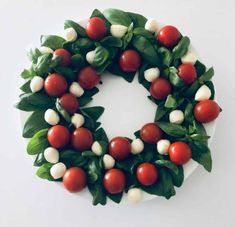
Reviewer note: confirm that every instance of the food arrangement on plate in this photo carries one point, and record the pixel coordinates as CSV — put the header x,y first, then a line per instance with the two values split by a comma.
x,y
65,135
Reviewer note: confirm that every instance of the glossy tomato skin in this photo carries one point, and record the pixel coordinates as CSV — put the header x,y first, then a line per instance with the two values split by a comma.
x,y
66,56
119,148
69,102
55,85
169,36
129,61
88,78
160,88
151,133
74,179
187,72
114,181
96,28
206,111
180,153
82,139
147,174
58,136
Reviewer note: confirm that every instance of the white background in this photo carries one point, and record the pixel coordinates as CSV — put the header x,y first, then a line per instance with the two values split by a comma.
x,y
204,200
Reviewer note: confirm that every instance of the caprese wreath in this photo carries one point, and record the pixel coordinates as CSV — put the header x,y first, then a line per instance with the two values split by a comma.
x,y
69,144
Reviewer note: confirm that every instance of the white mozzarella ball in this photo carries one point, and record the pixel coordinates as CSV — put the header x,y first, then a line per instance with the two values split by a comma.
x,y
45,50
36,84
58,170
77,120
51,155
176,116
70,34
108,161
163,146
118,30
76,89
203,93
96,148
51,117
90,56
151,74
137,146
134,195
151,25
189,57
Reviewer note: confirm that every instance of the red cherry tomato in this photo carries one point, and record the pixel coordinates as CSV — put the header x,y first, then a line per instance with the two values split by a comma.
x,y
129,61
160,88
88,78
55,85
119,148
187,73
74,179
96,28
114,181
168,36
180,153
58,136
82,139
69,102
151,133
66,56
206,111
147,174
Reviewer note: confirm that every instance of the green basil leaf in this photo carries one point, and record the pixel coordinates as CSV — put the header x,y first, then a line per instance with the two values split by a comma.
x,y
207,75
91,92
188,113
192,89
44,172
38,143
101,135
110,41
155,189
78,28
165,56
72,158
81,45
26,87
170,102
62,111
142,32
200,128
137,19
127,37
40,160
94,112
67,73
101,56
97,13
33,54
200,68
174,78
52,41
83,101
212,88
94,171
98,194
88,154
78,61
168,164
141,77
181,48
55,61
200,138
172,129
178,178
115,197
161,112
27,73
168,186
43,64
91,123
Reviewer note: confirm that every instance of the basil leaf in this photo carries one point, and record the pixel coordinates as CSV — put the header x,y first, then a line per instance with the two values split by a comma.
x,y
52,41
188,113
127,37
38,143
181,48
207,75
192,89
81,45
67,73
40,160
168,164
137,19
141,77
43,64
97,13
110,41
26,87
55,61
101,56
178,178
174,78
98,194
142,32
33,54
211,86
88,154
44,172
200,68
168,186
165,56
62,111
115,197
155,189
91,124
100,134
84,100
91,92
94,112
170,102
161,112
172,129
72,158
27,73
94,171
78,28
34,124
200,128
78,61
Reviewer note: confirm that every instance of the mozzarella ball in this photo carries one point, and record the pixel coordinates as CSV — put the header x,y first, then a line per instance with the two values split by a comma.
x,y
36,84
151,25
203,93
151,74
77,120
90,56
45,50
58,170
163,146
70,34
51,117
108,161
96,148
189,57
118,30
76,89
134,195
176,116
51,155
137,146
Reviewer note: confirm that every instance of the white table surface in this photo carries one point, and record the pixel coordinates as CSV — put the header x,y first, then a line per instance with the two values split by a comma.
x,y
204,200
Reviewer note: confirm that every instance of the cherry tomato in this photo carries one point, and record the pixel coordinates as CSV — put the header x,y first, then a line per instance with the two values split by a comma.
x,y
180,153
168,36
96,28
88,78
147,174
129,61
74,179
114,181
206,111
119,148
55,85
82,139
187,73
69,102
160,88
66,56
151,133
58,136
